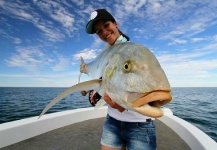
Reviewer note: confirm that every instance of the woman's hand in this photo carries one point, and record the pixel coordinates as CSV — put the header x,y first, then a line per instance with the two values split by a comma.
x,y
112,103
83,67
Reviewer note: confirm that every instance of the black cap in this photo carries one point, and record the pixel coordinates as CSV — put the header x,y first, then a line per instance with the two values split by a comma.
x,y
97,15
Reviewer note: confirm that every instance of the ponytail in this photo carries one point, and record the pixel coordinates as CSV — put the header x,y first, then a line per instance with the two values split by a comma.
x,y
124,35
121,33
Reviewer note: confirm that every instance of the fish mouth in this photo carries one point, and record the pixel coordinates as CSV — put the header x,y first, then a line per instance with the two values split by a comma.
x,y
149,105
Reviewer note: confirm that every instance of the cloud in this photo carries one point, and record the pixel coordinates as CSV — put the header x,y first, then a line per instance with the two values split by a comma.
x,y
163,19
28,58
61,63
34,59
17,40
134,5
55,12
86,54
97,42
63,79
197,39
177,41
123,10
41,75
78,2
194,68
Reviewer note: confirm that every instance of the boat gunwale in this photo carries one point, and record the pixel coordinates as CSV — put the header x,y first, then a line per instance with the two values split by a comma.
x,y
20,130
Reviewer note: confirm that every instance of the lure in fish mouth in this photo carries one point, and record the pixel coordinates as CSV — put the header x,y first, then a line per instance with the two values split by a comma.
x,y
131,76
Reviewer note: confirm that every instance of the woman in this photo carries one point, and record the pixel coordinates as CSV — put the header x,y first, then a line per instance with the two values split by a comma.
x,y
123,129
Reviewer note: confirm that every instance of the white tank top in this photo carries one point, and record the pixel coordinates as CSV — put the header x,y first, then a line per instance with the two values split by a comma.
x,y
127,115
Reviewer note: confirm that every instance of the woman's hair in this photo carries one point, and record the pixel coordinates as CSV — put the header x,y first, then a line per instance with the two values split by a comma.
x,y
121,33
124,35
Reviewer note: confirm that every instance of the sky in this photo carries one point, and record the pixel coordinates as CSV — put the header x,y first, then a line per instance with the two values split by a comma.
x,y
41,41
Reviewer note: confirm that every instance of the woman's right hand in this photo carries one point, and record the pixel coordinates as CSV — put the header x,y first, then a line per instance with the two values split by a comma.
x,y
112,103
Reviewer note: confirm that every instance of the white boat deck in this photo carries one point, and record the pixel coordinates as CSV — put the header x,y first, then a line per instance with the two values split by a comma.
x,y
81,129
86,136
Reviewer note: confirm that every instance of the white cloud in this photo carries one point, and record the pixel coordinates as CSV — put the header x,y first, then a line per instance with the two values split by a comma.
x,y
97,42
133,6
215,38
28,58
61,64
197,39
177,41
78,2
63,79
34,59
162,16
57,12
192,68
17,40
26,12
86,54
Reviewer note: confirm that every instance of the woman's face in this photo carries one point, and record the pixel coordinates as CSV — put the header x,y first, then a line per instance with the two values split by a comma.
x,y
107,31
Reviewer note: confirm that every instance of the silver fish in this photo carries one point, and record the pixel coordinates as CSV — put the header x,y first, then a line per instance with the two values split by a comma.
x,y
131,76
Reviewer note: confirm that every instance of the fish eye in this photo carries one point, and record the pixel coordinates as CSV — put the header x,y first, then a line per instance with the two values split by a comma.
x,y
127,66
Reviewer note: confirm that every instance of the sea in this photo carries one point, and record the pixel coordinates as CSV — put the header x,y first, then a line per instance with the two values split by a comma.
x,y
197,105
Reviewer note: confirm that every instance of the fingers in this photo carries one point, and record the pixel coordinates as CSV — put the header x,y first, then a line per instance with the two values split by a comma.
x,y
82,68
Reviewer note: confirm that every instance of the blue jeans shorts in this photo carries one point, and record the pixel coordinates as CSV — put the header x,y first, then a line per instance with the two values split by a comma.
x,y
132,135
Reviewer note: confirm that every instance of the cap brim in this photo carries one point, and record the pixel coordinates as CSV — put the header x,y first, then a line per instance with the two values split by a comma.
x,y
89,27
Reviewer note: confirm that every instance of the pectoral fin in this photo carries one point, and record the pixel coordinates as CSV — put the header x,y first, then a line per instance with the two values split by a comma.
x,y
88,85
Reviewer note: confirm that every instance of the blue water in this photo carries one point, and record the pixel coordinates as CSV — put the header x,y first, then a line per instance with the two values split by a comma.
x,y
195,105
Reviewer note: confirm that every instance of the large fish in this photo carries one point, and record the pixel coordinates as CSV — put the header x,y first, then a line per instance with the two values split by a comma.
x,y
131,76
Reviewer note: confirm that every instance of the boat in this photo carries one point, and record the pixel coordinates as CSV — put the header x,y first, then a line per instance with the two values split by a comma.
x,y
81,129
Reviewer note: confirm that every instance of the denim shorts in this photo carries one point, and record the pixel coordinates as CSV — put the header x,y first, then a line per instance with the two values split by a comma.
x,y
132,135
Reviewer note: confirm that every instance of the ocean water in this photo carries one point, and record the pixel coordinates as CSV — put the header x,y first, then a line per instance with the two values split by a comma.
x,y
195,105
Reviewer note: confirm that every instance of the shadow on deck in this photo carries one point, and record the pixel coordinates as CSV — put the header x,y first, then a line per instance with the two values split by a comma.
x,y
86,136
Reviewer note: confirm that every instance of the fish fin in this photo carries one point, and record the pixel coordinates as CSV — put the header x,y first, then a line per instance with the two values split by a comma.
x,y
100,103
88,85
